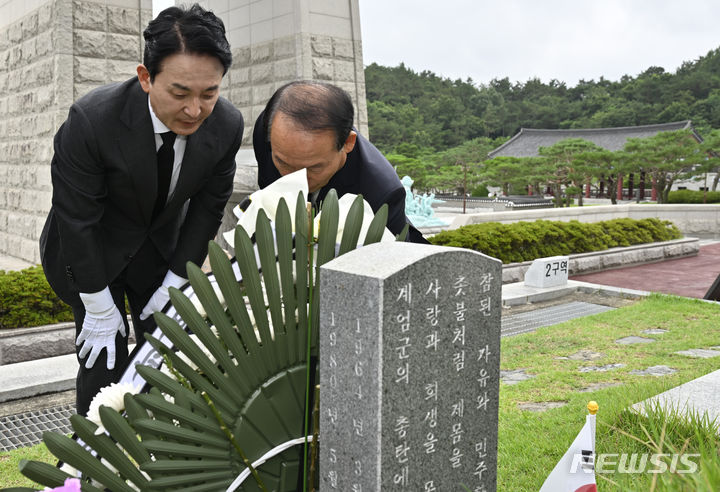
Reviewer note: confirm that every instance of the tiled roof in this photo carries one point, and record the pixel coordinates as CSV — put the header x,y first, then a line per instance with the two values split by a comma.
x,y
528,140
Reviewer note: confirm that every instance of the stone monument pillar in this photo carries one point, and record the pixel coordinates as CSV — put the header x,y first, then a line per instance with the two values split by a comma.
x,y
51,53
409,369
278,41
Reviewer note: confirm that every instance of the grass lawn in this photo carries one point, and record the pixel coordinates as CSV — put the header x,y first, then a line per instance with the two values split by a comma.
x,y
531,443
9,460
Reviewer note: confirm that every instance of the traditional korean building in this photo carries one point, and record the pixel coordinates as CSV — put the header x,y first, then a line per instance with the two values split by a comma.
x,y
528,141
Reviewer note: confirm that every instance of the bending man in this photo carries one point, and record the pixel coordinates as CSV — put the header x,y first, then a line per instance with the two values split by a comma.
x,y
308,124
141,173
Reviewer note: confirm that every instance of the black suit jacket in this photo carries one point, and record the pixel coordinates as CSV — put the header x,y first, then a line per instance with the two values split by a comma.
x,y
104,175
366,172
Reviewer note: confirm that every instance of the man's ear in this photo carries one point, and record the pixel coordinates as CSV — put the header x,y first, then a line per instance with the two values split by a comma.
x,y
350,142
144,77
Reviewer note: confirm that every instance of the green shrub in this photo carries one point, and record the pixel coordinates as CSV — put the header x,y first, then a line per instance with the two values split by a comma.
x,y
26,299
525,241
480,191
693,196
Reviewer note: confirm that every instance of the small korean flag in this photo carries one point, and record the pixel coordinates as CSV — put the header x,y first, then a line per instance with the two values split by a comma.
x,y
575,472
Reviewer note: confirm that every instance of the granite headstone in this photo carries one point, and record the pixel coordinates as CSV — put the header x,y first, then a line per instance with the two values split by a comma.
x,y
409,369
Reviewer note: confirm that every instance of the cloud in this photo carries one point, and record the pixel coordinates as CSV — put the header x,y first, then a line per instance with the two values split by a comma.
x,y
520,39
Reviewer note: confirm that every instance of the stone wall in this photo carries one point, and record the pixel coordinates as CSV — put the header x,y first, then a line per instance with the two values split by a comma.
x,y
107,41
51,53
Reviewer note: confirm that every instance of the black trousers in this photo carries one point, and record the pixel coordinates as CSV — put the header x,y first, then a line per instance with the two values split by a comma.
x,y
90,381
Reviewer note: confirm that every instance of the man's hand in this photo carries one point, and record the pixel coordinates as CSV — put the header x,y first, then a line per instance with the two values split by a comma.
x,y
102,321
99,333
162,295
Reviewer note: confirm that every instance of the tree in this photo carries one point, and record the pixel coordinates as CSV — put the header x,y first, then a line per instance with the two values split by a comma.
x,y
502,171
666,157
459,168
572,165
393,124
442,113
599,165
419,169
711,147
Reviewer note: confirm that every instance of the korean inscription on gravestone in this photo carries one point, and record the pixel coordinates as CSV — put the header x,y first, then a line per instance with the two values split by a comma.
x,y
409,363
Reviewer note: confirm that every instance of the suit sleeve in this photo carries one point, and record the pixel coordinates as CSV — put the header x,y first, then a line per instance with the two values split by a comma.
x,y
206,208
79,193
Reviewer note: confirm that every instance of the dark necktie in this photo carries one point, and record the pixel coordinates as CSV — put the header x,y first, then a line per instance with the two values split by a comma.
x,y
165,158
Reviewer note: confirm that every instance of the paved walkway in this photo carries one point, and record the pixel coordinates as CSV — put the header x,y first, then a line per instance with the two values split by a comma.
x,y
687,277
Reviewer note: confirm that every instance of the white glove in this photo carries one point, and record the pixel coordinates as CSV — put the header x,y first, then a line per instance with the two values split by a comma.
x,y
102,321
162,295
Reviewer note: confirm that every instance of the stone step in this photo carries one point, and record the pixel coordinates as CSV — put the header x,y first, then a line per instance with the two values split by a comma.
x,y
40,342
699,397
532,320
38,377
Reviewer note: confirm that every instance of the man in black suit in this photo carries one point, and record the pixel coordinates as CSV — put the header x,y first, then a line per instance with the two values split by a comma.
x,y
308,124
141,174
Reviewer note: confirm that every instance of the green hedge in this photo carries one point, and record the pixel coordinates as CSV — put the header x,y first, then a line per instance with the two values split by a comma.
x,y
525,241
692,196
26,299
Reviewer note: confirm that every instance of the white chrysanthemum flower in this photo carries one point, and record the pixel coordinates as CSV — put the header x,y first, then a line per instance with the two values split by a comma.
x,y
268,198
110,396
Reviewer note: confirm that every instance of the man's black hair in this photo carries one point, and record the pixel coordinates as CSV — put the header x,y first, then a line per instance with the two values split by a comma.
x,y
313,106
178,30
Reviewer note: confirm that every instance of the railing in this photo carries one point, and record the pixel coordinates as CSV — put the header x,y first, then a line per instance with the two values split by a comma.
x,y
499,202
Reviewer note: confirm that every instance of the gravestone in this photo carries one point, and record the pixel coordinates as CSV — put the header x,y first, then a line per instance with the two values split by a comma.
x,y
548,272
409,369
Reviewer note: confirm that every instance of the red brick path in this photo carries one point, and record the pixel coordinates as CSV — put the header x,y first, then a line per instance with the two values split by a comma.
x,y
688,277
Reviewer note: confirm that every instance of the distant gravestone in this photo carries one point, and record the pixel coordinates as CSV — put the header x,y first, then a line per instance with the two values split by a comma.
x,y
409,369
548,272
